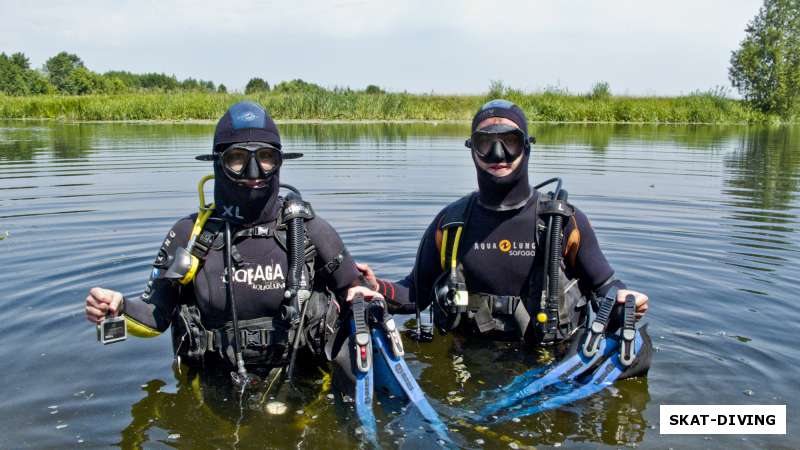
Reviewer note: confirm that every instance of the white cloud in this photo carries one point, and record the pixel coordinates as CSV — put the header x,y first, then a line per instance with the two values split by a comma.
x,y
448,45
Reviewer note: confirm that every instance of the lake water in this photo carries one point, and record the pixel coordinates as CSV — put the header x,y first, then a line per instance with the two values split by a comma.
x,y
702,218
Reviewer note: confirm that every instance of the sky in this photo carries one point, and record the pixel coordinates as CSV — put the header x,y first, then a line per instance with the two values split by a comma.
x,y
641,47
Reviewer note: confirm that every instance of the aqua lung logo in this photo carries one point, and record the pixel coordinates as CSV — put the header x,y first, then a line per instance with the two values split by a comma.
x,y
261,277
505,246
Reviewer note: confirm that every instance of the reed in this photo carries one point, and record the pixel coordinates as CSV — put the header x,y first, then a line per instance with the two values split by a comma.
x,y
358,105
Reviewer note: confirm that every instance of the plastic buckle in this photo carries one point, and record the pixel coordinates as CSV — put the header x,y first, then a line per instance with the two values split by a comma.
x,y
504,304
363,352
394,337
459,297
627,352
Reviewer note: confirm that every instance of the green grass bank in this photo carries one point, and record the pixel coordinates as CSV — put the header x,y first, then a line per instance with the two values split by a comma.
x,y
351,105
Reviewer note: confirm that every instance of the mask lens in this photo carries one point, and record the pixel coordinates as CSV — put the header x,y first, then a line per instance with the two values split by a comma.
x,y
512,142
268,158
482,143
236,159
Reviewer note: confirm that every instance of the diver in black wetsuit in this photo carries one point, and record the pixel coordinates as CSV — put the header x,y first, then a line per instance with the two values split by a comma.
x,y
479,264
194,300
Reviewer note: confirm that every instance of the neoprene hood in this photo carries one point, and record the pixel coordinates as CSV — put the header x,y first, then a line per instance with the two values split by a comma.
x,y
513,190
245,122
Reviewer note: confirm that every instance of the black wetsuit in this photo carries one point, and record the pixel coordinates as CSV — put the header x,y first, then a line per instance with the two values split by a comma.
x,y
258,281
500,254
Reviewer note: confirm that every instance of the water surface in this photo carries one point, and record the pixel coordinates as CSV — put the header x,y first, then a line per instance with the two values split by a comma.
x,y
702,218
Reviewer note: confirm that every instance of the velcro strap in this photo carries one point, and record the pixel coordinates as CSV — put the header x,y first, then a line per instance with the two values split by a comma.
x,y
496,304
258,231
484,319
259,337
334,264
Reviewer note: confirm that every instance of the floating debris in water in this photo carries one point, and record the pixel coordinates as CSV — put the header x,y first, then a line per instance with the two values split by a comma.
x,y
299,412
513,445
61,426
52,407
480,441
748,392
557,444
4,235
174,436
55,411
516,420
276,408
80,441
329,396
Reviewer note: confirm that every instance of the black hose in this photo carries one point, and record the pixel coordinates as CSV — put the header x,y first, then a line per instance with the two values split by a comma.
x,y
554,265
295,241
237,345
296,282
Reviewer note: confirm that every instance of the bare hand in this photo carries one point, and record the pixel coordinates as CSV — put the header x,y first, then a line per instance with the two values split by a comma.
x,y
369,275
101,302
641,301
368,294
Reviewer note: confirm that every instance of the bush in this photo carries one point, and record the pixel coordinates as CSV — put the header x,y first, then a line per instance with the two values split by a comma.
x,y
256,85
373,89
297,86
600,91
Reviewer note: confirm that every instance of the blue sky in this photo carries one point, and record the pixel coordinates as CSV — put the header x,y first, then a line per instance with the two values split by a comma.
x,y
640,47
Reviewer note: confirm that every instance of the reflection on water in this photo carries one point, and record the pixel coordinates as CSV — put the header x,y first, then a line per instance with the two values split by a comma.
x,y
702,218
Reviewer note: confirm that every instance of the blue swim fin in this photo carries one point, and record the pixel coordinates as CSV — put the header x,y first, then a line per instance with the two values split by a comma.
x,y
364,387
405,379
616,351
602,377
566,370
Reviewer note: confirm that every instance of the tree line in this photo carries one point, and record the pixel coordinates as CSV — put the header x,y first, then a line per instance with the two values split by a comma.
x,y
65,73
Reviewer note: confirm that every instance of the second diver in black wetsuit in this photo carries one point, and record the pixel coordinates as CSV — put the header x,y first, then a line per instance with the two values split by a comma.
x,y
486,265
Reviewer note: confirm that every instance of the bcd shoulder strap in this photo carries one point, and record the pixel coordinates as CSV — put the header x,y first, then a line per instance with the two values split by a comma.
x,y
455,218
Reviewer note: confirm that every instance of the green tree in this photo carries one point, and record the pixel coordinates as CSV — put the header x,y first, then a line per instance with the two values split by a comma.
x,y
373,89
59,67
20,60
222,89
766,67
80,82
256,85
12,81
17,78
298,85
